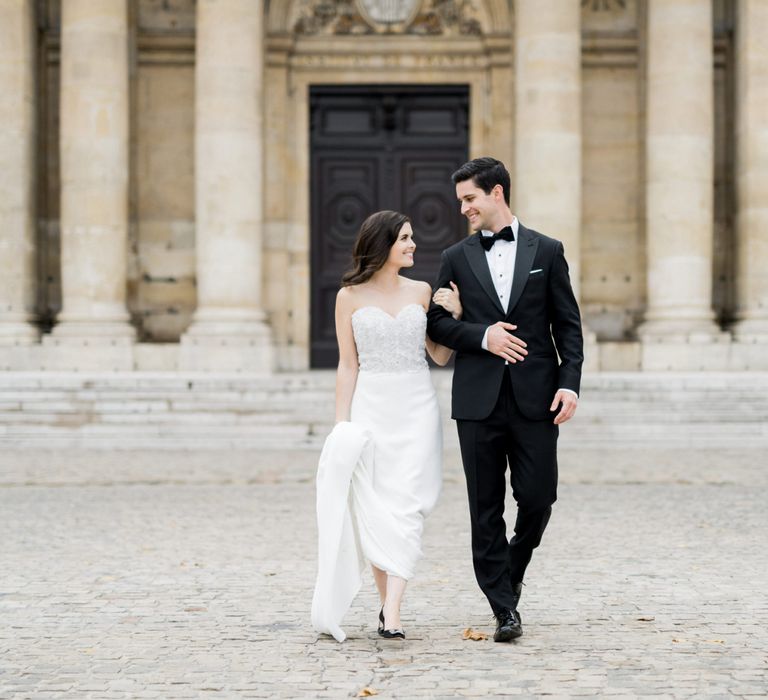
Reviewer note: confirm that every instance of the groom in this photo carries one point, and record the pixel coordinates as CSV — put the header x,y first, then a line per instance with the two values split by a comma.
x,y
510,391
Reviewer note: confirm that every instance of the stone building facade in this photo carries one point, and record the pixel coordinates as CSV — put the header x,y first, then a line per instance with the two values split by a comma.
x,y
157,183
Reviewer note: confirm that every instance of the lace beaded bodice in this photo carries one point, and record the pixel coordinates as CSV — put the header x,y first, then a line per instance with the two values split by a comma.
x,y
388,343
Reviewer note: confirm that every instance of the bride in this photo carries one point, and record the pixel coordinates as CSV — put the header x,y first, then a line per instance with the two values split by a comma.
x,y
383,387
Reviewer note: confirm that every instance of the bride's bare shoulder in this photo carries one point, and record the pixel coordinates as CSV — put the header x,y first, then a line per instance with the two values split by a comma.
x,y
352,296
345,297
421,290
416,285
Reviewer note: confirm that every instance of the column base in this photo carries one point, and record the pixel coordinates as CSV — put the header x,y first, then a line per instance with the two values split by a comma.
x,y
18,333
692,352
591,351
620,356
689,341
227,346
681,330
89,345
752,330
102,331
750,355
87,354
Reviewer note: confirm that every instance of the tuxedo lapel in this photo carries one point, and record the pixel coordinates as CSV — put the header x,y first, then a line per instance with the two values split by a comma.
x,y
527,244
478,262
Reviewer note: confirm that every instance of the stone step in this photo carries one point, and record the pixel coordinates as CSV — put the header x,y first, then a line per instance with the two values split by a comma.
x,y
269,387
163,381
591,409
288,411
233,425
691,395
250,440
256,417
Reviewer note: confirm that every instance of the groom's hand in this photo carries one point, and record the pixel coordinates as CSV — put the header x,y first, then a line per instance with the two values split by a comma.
x,y
501,342
569,401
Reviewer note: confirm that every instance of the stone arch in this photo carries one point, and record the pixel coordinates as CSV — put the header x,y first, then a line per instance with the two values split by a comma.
x,y
495,16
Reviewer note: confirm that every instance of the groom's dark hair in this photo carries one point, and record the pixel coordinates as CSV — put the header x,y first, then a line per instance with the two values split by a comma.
x,y
486,173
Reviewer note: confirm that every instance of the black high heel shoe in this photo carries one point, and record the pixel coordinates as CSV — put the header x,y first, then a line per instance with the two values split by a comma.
x,y
389,634
392,634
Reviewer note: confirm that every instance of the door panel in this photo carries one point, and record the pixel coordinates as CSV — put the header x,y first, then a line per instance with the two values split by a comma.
x,y
373,148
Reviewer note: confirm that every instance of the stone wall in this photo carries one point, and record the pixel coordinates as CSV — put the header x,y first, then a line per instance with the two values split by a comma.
x,y
303,44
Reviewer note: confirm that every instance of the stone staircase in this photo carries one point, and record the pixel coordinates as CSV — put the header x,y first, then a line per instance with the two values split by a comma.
x,y
289,411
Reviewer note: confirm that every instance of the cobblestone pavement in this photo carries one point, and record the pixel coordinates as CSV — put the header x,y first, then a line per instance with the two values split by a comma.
x,y
185,575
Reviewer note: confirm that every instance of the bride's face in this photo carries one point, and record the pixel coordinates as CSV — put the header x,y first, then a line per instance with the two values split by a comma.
x,y
401,252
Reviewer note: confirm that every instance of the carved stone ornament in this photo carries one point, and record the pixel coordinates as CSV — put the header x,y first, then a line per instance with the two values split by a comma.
x,y
389,11
604,5
430,17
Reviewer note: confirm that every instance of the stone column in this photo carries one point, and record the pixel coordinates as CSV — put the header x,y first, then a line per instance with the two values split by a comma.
x,y
752,171
94,180
228,331
17,175
547,178
679,171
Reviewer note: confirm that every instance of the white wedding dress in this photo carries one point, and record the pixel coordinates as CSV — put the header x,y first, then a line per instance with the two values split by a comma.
x,y
379,475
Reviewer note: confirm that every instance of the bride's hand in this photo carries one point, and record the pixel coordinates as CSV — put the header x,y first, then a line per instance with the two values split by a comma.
x,y
449,299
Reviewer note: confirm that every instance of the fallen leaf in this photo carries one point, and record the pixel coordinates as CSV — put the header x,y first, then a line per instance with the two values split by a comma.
x,y
716,641
367,692
474,635
646,619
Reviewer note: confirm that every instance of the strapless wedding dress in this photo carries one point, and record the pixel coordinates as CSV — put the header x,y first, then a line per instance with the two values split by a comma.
x,y
379,475
395,400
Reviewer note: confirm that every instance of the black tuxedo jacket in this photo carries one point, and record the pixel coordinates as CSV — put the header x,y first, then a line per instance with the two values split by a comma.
x,y
541,305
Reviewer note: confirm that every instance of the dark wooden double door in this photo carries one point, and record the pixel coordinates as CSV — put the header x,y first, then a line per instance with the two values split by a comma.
x,y
372,148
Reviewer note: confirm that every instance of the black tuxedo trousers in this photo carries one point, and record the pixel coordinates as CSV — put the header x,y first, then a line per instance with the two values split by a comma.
x,y
507,437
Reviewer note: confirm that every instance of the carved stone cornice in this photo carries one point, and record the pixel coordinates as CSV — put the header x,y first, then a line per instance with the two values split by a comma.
x,y
343,17
389,61
610,50
165,49
603,5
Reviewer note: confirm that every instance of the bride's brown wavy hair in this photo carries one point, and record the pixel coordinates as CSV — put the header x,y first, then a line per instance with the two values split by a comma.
x,y
375,238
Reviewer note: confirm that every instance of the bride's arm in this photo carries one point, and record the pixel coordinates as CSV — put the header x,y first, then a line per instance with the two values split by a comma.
x,y
448,299
346,374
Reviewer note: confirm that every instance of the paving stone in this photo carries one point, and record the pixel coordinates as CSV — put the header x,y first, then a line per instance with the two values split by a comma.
x,y
181,574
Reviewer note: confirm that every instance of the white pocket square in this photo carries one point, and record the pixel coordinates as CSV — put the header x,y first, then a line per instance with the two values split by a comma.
x,y
533,272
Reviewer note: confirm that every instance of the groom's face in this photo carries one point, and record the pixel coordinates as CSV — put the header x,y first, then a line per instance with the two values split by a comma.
x,y
480,208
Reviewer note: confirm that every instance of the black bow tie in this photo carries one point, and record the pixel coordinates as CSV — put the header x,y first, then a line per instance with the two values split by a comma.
x,y
504,235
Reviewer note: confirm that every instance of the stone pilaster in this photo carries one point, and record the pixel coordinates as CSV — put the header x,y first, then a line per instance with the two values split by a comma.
x,y
547,191
547,179
228,331
94,185
17,174
752,171
679,172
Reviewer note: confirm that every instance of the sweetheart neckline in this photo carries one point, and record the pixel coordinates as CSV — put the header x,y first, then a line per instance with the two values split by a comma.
x,y
386,313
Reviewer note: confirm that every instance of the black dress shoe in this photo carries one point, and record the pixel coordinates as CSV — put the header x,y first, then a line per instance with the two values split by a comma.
x,y
509,626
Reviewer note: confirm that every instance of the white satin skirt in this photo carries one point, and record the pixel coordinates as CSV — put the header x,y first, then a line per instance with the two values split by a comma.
x,y
401,412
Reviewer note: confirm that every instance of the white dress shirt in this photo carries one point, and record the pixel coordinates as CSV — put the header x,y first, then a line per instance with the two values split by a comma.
x,y
501,263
